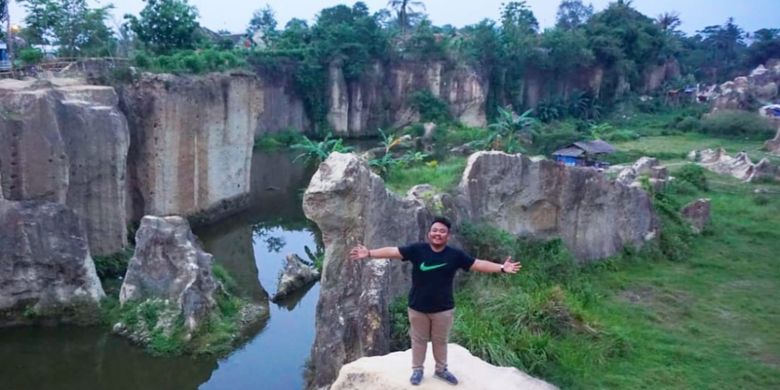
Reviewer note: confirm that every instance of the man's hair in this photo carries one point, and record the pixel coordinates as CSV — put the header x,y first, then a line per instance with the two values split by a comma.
x,y
444,221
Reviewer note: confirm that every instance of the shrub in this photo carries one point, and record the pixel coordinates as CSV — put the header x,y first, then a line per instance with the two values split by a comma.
x,y
30,56
142,60
693,174
688,123
431,108
734,123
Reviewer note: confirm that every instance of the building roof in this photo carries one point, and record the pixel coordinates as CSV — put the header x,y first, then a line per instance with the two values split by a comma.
x,y
595,147
569,152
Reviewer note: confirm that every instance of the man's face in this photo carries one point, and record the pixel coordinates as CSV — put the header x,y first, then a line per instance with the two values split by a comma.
x,y
438,234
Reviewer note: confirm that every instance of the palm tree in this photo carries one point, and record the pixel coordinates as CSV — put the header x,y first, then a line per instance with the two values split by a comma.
x,y
668,21
404,9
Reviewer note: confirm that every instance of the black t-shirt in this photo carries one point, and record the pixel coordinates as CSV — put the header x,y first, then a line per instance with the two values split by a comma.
x,y
432,275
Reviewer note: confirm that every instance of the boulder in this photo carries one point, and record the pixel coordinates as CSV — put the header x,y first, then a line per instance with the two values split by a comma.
x,y
295,276
351,206
46,271
67,142
740,166
594,217
169,265
743,92
648,167
391,372
192,140
697,213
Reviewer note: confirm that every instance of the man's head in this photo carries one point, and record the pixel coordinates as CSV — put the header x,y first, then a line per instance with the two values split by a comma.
x,y
439,232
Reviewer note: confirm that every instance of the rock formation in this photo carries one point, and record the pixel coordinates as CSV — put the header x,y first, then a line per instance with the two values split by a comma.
x,y
648,167
169,264
697,213
384,95
66,142
295,276
391,372
594,217
351,206
192,142
760,86
46,271
740,166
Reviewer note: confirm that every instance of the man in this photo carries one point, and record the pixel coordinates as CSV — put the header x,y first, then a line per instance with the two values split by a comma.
x,y
431,302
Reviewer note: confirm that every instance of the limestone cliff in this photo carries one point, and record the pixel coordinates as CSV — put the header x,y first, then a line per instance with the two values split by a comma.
x,y
383,97
46,272
191,145
67,142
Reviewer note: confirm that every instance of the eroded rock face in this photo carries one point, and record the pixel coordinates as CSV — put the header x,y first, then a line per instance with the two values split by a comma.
x,y
391,372
46,271
168,264
741,93
384,95
697,213
594,217
740,166
192,143
295,276
773,145
67,143
648,167
351,206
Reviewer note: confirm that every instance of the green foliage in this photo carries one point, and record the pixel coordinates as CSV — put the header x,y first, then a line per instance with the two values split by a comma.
x,y
431,108
78,31
443,175
30,56
765,46
264,22
693,174
733,123
273,141
190,61
113,266
510,133
319,151
164,26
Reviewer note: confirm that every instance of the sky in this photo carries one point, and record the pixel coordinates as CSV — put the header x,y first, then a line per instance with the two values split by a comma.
x,y
234,15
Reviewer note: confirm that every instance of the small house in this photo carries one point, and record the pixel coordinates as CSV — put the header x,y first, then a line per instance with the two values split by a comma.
x,y
5,63
583,153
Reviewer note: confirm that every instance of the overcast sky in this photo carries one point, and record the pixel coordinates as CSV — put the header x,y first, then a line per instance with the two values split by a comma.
x,y
234,15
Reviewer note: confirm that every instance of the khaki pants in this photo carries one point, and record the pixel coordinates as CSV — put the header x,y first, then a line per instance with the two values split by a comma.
x,y
433,327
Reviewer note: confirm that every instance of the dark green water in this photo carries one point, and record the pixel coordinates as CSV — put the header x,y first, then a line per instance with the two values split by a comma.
x,y
252,246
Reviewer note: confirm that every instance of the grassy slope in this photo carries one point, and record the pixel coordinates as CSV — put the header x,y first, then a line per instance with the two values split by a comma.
x,y
639,320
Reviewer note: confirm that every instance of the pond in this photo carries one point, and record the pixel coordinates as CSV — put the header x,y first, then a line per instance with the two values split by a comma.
x,y
251,246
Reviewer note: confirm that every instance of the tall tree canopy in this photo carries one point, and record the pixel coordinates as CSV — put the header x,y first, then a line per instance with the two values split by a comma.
x,y
70,24
572,14
406,11
166,25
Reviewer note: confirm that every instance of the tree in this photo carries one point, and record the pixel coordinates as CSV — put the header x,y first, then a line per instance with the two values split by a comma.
x,y
572,13
765,46
668,21
264,22
166,25
70,24
518,37
405,10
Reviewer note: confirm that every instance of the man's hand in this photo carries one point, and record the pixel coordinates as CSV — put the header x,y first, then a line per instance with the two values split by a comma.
x,y
510,267
358,252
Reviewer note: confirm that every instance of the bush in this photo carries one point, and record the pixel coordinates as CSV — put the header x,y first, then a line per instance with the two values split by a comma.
x,y
734,123
688,123
30,56
693,174
431,108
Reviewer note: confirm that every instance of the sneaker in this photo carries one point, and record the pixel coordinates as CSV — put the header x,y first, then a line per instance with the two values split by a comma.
x,y
416,377
446,376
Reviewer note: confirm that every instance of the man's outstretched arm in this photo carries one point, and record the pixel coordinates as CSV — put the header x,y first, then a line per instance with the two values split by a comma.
x,y
388,252
491,267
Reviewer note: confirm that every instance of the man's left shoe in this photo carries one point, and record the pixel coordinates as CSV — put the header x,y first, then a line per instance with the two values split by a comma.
x,y
446,376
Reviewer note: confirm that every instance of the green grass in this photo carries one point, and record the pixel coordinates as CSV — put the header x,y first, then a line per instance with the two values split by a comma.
x,y
444,175
687,312
680,145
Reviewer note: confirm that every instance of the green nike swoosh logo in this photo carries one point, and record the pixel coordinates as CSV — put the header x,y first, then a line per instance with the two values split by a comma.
x,y
424,267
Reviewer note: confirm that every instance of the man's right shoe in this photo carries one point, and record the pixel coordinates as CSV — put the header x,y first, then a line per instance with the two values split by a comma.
x,y
416,378
446,376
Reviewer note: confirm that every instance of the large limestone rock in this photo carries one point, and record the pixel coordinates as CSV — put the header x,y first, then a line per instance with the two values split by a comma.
x,y
383,96
697,213
391,372
740,166
169,264
192,142
593,216
67,142
351,206
648,167
294,276
46,271
761,86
